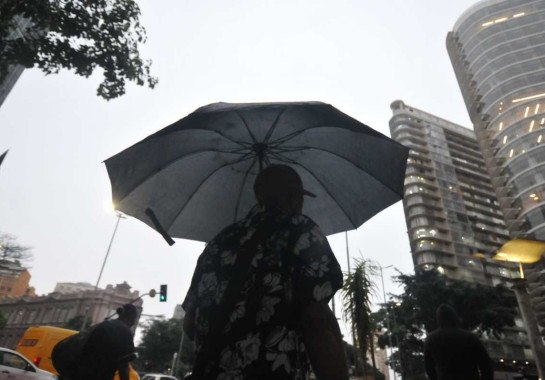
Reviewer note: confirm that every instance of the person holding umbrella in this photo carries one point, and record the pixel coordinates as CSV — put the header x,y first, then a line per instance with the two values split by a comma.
x,y
254,285
262,282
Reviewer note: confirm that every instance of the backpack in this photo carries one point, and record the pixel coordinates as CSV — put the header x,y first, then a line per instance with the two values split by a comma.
x,y
67,353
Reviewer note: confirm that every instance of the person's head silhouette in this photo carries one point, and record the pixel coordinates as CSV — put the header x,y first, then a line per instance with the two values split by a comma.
x,y
446,316
280,187
128,314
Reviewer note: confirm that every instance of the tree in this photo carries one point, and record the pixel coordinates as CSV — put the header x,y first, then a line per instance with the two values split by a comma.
x,y
482,309
358,289
79,35
160,340
11,250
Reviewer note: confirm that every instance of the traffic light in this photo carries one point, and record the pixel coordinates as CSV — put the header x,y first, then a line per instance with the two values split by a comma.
x,y
163,293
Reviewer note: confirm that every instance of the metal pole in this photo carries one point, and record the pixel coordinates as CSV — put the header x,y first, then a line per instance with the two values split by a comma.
x,y
398,347
347,251
387,318
173,364
119,216
86,317
520,288
179,354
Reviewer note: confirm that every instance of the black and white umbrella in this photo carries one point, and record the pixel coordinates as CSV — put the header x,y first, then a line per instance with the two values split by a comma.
x,y
195,177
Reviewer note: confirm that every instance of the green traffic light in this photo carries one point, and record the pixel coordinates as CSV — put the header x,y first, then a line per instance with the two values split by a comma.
x,y
163,293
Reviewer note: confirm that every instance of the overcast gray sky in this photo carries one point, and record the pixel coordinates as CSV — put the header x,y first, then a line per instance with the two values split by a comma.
x,y
358,55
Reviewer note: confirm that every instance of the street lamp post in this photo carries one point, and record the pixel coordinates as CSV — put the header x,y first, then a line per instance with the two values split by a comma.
x,y
119,217
523,299
388,356
528,252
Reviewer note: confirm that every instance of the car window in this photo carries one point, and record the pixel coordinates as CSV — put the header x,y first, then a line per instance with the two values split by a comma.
x,y
14,361
166,378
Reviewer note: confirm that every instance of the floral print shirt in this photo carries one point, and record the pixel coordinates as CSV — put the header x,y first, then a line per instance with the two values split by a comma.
x,y
294,266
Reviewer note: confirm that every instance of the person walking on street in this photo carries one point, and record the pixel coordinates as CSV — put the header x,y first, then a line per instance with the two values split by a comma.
x,y
291,268
451,353
110,347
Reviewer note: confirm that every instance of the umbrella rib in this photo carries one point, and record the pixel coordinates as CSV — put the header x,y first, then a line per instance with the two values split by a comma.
x,y
287,137
180,158
290,148
284,159
241,143
242,186
200,184
344,159
294,134
273,126
247,127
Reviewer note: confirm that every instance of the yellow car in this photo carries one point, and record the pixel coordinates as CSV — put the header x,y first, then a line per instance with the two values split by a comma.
x,y
37,344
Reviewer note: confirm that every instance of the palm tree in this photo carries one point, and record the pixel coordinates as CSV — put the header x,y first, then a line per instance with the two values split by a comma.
x,y
358,290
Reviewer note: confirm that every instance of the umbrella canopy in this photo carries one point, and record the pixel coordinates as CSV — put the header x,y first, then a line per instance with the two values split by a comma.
x,y
195,177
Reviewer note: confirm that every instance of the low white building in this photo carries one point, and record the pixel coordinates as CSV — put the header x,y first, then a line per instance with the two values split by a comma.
x,y
72,287
57,309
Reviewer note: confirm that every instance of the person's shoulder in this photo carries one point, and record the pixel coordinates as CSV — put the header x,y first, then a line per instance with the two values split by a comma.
x,y
441,333
471,336
227,233
115,325
433,335
452,333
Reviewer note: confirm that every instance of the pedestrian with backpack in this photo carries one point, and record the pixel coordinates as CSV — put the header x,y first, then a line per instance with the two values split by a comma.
x,y
100,351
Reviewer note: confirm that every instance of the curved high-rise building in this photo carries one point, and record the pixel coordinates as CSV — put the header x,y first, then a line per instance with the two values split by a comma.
x,y
497,49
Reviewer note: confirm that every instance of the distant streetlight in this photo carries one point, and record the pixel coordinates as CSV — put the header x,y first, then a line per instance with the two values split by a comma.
x,y
524,251
119,217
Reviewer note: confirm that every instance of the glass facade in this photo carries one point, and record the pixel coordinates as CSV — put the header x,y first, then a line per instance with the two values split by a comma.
x,y
497,49
498,52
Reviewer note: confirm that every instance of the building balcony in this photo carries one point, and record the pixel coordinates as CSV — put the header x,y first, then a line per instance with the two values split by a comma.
x,y
511,213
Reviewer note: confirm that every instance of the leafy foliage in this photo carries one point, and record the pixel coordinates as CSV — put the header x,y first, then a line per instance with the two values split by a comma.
x,y
357,293
79,35
160,340
11,250
482,309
